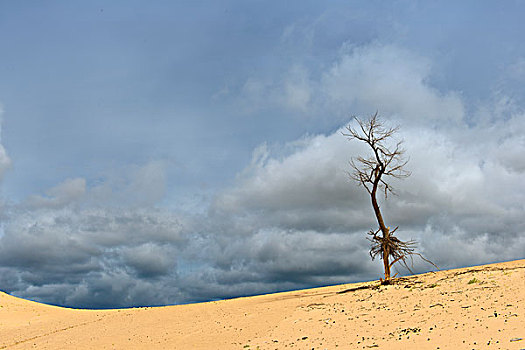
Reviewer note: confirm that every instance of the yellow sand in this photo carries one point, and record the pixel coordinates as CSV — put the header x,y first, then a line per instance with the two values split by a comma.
x,y
471,308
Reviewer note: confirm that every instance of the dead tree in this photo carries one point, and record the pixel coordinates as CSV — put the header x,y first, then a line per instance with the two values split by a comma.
x,y
373,172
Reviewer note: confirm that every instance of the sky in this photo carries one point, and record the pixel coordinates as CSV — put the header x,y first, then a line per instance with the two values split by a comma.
x,y
168,152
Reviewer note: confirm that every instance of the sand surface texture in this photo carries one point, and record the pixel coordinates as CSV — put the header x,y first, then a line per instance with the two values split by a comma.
x,y
480,307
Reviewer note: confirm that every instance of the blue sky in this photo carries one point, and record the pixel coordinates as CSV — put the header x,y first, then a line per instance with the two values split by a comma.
x,y
168,152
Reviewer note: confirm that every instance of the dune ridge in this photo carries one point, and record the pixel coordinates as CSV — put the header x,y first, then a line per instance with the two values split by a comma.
x,y
480,307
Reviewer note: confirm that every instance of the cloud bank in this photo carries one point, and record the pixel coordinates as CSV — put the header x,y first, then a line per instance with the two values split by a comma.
x,y
292,218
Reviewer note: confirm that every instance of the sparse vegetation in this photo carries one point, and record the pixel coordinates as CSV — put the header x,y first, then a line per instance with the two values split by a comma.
x,y
410,330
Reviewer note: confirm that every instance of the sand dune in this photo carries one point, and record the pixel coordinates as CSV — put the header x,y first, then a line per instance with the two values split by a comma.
x,y
480,307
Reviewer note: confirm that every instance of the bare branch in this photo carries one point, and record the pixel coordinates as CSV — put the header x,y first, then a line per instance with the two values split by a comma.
x,y
384,162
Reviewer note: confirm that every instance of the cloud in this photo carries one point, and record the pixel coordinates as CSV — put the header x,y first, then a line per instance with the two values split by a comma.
x,y
363,79
292,218
94,246
391,80
308,188
71,247
60,195
516,70
465,189
5,161
457,196
297,89
150,259
135,185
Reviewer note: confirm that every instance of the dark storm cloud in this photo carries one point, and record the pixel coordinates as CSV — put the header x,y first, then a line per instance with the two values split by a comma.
x,y
69,248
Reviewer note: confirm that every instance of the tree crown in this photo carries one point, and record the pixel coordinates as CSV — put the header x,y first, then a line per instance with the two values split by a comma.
x,y
385,161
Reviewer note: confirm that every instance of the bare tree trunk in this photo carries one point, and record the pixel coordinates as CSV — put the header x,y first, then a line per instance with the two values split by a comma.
x,y
384,230
386,254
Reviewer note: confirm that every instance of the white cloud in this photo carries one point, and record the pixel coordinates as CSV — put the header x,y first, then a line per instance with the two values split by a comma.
x,y
60,195
5,161
391,80
297,89
132,186
517,69
362,80
451,199
307,188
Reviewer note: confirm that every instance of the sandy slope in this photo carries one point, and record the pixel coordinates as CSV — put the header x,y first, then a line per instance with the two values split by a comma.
x,y
481,307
